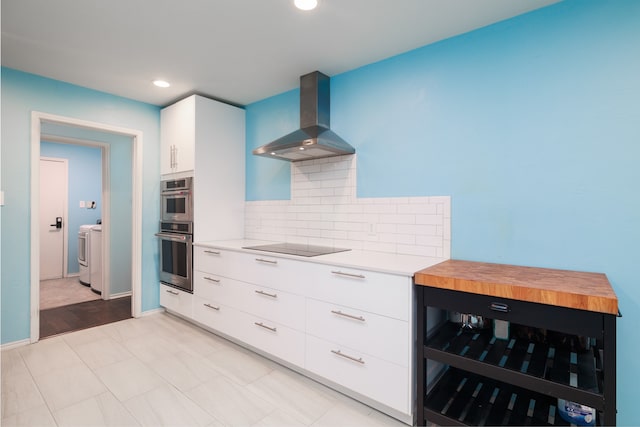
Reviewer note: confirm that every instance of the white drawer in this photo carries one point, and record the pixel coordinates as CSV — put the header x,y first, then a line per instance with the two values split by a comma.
x,y
177,301
212,260
379,380
217,288
278,273
383,337
380,293
217,316
276,305
266,335
274,338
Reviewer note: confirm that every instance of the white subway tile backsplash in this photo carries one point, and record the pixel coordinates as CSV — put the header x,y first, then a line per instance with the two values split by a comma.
x,y
324,210
380,247
398,219
335,234
321,192
389,228
429,219
335,200
433,241
310,216
418,208
349,209
386,208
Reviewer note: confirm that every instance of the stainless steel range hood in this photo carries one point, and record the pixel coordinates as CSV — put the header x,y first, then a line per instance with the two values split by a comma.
x,y
314,139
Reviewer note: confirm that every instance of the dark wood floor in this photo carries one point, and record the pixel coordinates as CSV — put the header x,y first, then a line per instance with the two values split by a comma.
x,y
83,315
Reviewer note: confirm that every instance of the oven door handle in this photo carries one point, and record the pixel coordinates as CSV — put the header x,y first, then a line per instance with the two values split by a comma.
x,y
173,237
173,193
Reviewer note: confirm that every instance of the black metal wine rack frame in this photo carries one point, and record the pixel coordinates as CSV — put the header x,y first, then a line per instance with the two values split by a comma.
x,y
515,381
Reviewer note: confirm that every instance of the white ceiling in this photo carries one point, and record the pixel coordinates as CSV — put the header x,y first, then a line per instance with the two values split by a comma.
x,y
240,51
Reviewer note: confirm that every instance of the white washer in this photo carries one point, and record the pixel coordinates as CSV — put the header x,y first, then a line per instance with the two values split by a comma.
x,y
96,259
84,254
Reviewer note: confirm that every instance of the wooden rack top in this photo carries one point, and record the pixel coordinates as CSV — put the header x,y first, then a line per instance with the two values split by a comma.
x,y
572,289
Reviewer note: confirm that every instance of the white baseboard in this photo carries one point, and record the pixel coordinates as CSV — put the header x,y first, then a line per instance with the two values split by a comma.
x,y
151,312
120,295
14,344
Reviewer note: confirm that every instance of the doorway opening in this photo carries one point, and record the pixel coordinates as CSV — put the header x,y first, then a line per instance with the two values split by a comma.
x,y
120,246
71,192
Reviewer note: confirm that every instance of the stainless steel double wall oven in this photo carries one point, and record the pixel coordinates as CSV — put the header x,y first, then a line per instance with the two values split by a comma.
x,y
176,233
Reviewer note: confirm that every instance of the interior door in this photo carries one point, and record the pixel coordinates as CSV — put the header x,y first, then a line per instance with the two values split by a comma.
x,y
53,199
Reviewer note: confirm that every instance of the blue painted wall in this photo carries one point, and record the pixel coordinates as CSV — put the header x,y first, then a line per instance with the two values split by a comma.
x,y
532,125
85,183
21,94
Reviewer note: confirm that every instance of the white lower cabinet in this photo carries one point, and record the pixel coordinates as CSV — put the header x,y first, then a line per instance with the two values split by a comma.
x,y
266,335
176,301
350,327
379,336
377,379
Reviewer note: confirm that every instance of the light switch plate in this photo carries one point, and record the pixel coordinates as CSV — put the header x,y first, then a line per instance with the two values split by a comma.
x,y
82,203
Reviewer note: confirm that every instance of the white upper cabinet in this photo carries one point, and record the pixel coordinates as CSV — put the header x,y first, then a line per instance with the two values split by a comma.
x,y
206,139
178,136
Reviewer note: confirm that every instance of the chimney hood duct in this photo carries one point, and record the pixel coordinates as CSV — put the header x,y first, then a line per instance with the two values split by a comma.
x,y
314,139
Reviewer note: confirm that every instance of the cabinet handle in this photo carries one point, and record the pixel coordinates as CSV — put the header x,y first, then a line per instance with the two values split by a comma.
x,y
499,306
346,356
211,279
211,252
175,156
172,159
262,325
173,292
266,294
350,316
340,273
268,261
212,306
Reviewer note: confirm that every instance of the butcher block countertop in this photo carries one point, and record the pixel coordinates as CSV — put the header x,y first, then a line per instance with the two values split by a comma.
x,y
572,289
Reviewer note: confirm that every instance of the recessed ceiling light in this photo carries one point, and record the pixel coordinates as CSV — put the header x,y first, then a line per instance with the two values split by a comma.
x,y
161,83
306,4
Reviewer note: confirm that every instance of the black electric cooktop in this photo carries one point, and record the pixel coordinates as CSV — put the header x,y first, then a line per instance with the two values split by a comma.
x,y
299,249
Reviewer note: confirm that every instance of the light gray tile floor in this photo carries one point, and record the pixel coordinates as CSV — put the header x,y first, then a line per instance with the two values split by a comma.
x,y
162,371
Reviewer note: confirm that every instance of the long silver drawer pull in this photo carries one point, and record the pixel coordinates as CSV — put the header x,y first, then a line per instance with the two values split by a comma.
x,y
350,316
266,260
173,292
211,279
212,306
266,294
359,276
346,356
212,252
262,325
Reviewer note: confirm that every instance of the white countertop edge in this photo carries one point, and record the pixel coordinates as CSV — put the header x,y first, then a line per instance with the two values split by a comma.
x,y
383,262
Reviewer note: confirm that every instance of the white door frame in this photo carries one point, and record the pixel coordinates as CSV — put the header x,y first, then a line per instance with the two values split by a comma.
x,y
65,216
37,118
